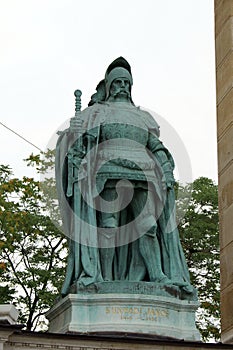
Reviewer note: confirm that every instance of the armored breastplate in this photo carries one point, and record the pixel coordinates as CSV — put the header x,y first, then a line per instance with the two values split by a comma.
x,y
123,139
123,131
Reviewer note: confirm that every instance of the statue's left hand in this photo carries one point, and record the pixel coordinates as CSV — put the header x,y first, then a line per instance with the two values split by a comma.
x,y
170,185
170,181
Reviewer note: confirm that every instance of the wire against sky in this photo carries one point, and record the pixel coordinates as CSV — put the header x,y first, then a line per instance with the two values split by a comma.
x,y
23,138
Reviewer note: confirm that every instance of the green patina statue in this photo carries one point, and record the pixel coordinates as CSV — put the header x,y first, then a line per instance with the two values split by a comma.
x,y
115,185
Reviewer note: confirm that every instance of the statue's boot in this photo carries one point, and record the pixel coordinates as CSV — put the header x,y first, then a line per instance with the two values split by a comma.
x,y
150,250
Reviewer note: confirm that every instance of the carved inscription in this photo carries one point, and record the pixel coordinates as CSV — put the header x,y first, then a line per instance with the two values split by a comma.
x,y
137,313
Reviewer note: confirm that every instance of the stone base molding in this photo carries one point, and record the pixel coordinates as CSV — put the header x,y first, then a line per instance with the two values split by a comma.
x,y
125,314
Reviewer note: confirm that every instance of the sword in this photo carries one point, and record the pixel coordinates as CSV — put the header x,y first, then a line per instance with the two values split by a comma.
x,y
76,152
74,160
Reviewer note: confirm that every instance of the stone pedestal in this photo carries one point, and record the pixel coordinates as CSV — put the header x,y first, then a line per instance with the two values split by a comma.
x,y
159,315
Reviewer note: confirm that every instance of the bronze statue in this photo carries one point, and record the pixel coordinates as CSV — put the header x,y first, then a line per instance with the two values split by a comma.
x,y
115,185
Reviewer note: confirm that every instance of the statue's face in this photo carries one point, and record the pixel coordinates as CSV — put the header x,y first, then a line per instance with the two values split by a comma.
x,y
120,89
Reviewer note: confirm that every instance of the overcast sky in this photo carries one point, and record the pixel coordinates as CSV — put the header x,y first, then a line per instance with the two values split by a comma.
x,y
49,48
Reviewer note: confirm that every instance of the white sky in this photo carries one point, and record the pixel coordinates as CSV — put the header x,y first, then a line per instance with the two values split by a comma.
x,y
49,48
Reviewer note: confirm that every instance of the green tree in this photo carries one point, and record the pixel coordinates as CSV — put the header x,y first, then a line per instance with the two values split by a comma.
x,y
199,233
32,248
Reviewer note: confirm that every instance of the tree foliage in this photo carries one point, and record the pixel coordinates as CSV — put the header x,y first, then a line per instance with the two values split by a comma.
x,y
200,239
32,248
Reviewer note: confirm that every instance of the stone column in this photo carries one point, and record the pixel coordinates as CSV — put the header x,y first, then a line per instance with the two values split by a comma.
x,y
224,82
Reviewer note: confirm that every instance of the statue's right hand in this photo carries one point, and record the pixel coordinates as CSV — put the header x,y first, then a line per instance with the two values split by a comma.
x,y
75,124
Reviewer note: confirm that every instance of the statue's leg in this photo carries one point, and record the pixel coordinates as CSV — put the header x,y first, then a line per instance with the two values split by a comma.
x,y
108,225
150,250
149,246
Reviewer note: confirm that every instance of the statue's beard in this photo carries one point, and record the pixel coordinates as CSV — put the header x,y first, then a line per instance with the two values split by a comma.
x,y
119,92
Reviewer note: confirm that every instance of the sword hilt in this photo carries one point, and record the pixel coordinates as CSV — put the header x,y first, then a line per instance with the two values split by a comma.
x,y
76,121
78,105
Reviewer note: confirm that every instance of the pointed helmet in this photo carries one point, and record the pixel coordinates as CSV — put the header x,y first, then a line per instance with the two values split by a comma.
x,y
119,68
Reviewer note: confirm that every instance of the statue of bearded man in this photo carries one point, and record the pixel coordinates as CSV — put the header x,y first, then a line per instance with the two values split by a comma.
x,y
115,184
